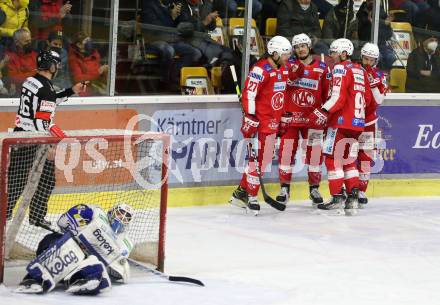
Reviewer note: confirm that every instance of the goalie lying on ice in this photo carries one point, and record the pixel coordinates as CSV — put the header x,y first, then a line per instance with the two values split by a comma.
x,y
91,249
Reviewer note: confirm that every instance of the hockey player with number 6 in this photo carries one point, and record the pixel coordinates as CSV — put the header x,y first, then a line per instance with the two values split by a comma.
x,y
368,139
344,113
91,249
263,105
303,95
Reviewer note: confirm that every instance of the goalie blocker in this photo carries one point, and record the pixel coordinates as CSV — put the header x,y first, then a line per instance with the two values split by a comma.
x,y
84,257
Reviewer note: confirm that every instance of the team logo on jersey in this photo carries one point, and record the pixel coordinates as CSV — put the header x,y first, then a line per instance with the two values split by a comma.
x,y
319,70
277,101
47,106
306,83
358,122
279,86
359,88
256,76
306,72
303,98
340,120
340,71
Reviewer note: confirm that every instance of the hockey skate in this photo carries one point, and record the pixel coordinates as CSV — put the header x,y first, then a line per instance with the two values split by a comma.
x,y
239,198
315,196
253,205
29,286
362,200
284,195
40,222
334,206
351,204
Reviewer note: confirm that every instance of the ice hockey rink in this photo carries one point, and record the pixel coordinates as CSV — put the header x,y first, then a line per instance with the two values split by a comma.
x,y
388,254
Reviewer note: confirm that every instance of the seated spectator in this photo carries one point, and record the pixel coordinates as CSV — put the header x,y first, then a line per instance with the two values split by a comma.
x,y
300,16
200,13
3,90
412,8
335,27
157,12
364,16
323,7
55,43
85,65
22,59
47,16
16,17
269,10
429,19
423,68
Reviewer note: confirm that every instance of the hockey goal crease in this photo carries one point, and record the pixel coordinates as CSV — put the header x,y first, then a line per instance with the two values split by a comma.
x,y
41,177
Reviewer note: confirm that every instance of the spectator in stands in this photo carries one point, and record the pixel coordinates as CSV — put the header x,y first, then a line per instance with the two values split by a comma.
x,y
300,16
55,43
423,68
412,7
335,25
22,59
85,65
16,16
364,16
200,13
160,13
323,7
3,90
269,10
47,16
429,19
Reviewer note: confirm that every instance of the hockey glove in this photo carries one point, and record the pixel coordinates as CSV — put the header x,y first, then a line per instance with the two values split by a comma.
x,y
296,71
318,118
249,126
55,131
286,119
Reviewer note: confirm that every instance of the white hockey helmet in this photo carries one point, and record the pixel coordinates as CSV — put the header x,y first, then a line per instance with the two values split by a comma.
x,y
120,216
340,45
370,50
301,38
279,44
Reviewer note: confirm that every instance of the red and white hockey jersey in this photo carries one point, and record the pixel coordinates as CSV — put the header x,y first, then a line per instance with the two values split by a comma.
x,y
308,92
350,96
264,94
377,80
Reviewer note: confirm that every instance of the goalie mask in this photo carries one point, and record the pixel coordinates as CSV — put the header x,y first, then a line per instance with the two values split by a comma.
x,y
120,217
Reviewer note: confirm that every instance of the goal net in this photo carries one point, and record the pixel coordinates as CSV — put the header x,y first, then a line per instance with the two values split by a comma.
x,y
41,177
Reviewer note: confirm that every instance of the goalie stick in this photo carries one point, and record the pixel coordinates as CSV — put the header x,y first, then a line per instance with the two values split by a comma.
x,y
253,156
144,267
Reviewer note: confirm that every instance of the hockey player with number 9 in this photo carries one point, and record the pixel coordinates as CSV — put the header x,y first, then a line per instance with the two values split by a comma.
x,y
263,105
345,109
91,250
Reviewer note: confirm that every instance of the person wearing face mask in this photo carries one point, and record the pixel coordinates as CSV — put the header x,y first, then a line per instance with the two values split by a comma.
x,y
423,67
22,58
55,43
16,17
85,64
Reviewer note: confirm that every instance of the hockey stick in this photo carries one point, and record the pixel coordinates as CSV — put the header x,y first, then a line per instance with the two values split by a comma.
x,y
252,154
141,266
171,278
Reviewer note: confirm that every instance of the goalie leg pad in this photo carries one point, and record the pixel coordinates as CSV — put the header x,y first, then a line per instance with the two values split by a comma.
x,y
54,263
90,278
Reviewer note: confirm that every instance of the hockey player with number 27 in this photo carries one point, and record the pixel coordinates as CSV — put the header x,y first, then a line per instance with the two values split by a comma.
x,y
91,250
303,96
345,110
368,139
263,105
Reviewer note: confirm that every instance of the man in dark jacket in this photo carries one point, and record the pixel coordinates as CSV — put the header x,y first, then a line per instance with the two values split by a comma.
x,y
335,27
300,16
423,68
161,13
364,16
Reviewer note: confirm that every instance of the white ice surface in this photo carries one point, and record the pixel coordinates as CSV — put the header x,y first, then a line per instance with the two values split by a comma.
x,y
388,254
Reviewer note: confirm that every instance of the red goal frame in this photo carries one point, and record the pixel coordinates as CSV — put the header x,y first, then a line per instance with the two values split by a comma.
x,y
5,154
